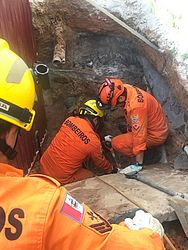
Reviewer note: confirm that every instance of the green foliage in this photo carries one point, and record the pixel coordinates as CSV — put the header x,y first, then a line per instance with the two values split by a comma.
x,y
185,56
174,51
151,5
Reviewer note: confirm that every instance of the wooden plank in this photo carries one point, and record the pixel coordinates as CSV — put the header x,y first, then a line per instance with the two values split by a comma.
x,y
124,25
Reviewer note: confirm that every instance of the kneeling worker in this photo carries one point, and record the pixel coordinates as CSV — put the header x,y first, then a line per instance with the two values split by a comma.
x,y
76,141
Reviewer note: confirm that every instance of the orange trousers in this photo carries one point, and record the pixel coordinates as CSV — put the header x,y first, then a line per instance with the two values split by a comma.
x,y
124,143
79,175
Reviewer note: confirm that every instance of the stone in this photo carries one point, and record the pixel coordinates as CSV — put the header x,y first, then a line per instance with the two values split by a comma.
x,y
180,206
181,161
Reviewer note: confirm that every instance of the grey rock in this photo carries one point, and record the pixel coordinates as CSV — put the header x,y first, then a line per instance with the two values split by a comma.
x,y
181,162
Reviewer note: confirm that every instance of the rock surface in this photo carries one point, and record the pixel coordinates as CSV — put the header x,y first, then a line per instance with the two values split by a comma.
x,y
101,196
80,16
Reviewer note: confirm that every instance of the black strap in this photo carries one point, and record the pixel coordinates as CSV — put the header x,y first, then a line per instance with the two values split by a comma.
x,y
86,110
22,114
110,84
7,150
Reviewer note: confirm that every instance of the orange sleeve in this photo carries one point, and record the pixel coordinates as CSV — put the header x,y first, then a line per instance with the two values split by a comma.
x,y
138,118
98,157
123,238
71,225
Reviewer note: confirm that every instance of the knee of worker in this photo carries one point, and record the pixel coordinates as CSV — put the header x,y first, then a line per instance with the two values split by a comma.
x,y
154,142
79,175
82,174
123,144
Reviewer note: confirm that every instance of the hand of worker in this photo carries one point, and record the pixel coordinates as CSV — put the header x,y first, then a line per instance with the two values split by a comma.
x,y
107,141
131,169
108,138
143,220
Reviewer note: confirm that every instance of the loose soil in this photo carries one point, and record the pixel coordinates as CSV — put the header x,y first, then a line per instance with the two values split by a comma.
x,y
176,234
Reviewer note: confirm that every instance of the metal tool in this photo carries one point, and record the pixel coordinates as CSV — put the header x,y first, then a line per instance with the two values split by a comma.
x,y
118,165
156,186
130,170
110,148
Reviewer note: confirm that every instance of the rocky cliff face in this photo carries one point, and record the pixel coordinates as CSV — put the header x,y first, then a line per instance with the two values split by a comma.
x,y
97,46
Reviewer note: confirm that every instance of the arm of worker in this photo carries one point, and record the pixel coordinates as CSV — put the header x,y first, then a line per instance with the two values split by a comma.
x,y
99,159
139,130
142,220
71,225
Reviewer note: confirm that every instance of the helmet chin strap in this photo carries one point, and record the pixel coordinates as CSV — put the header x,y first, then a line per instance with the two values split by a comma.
x,y
8,151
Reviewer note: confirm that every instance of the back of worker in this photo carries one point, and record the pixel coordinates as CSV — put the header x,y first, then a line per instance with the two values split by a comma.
x,y
146,119
45,216
144,110
157,121
74,143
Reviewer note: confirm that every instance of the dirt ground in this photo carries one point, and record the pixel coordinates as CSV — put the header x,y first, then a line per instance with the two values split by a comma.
x,y
176,235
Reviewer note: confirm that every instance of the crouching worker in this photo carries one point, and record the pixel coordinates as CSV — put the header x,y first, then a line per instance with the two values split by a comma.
x,y
76,141
147,122
36,212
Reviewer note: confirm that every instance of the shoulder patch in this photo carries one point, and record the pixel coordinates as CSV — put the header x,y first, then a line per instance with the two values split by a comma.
x,y
72,208
134,118
97,222
136,126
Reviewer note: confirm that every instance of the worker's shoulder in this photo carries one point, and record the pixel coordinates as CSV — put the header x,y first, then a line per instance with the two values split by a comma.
x,y
44,179
36,186
76,122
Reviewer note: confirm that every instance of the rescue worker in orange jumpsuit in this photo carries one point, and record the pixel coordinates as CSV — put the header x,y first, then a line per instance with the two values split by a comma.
x,y
147,123
76,141
36,212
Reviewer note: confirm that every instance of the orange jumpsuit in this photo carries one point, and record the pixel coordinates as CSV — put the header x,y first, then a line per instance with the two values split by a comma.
x,y
147,123
75,142
37,213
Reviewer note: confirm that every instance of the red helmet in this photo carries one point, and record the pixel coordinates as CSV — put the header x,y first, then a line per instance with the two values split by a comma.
x,y
109,92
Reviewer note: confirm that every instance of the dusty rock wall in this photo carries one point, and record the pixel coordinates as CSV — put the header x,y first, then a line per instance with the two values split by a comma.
x,y
81,16
164,74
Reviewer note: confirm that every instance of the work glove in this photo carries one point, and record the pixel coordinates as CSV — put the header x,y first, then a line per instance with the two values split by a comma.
x,y
143,220
131,169
108,138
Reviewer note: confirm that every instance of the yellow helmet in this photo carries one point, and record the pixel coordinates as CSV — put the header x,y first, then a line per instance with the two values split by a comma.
x,y
17,89
90,108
